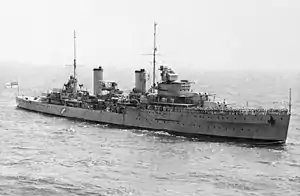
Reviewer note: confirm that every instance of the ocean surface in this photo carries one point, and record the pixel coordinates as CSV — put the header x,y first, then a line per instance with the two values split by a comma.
x,y
45,155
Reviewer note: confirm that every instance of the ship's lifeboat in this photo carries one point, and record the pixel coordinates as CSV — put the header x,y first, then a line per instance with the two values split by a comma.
x,y
134,101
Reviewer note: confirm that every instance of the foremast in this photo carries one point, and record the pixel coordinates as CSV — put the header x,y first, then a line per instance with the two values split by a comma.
x,y
154,55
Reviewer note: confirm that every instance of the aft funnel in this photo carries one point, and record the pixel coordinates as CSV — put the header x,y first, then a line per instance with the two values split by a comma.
x,y
98,77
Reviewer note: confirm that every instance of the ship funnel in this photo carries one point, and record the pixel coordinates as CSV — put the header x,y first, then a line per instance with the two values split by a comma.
x,y
98,77
140,81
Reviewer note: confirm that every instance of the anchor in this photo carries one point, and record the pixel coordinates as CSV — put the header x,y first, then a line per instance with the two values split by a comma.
x,y
271,120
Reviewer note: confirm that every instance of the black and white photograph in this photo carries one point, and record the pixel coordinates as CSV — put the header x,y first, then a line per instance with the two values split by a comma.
x,y
150,98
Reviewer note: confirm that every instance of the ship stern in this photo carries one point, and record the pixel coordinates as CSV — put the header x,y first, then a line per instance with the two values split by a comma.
x,y
18,100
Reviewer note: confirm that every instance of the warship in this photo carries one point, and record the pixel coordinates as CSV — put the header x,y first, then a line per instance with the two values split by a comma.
x,y
168,105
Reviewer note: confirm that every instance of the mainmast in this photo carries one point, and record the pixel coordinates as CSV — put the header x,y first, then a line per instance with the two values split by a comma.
x,y
75,78
154,54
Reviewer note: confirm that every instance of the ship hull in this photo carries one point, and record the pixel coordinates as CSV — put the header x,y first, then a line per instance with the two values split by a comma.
x,y
250,127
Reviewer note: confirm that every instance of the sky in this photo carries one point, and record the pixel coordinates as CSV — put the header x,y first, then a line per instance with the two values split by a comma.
x,y
115,34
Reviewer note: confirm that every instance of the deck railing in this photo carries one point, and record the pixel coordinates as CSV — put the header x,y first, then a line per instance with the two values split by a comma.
x,y
228,111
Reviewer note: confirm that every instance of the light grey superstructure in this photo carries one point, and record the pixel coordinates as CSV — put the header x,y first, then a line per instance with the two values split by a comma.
x,y
168,105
